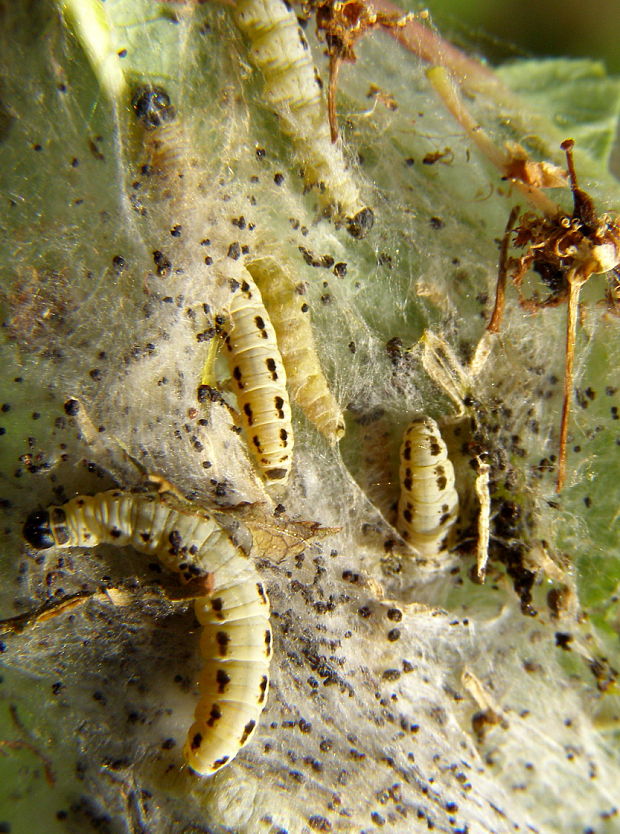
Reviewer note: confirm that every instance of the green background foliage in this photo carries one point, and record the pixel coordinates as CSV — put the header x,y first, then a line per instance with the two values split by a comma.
x,y
526,28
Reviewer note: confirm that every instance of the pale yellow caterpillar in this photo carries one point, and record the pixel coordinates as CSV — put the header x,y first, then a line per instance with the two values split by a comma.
x,y
428,504
259,379
292,90
236,638
290,316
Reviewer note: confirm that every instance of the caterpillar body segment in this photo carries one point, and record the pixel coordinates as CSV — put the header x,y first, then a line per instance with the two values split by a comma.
x,y
259,380
236,639
280,50
242,681
231,602
428,504
292,90
240,639
290,316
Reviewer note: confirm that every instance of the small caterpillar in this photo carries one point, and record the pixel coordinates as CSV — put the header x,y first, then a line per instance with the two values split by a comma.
x,y
236,638
428,504
291,321
260,380
163,139
292,90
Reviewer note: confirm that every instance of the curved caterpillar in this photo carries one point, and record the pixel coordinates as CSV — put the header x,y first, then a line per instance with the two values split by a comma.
x,y
236,639
428,504
260,380
291,321
292,90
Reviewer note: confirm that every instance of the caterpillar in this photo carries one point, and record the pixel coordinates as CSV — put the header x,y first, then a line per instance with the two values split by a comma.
x,y
428,503
292,90
163,138
259,378
236,638
291,321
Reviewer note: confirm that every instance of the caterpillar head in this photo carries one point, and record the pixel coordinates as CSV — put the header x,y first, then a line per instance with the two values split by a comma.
x,y
38,530
152,106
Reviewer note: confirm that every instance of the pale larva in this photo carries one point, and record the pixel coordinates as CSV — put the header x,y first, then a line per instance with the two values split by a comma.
x,y
290,317
236,639
428,504
259,379
292,89
163,137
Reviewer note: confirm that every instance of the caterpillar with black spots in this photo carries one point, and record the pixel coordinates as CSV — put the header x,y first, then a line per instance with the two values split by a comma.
x,y
236,640
259,378
428,505
292,90
290,316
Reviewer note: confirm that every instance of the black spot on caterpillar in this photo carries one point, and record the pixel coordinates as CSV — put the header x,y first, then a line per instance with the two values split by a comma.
x,y
236,636
428,504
